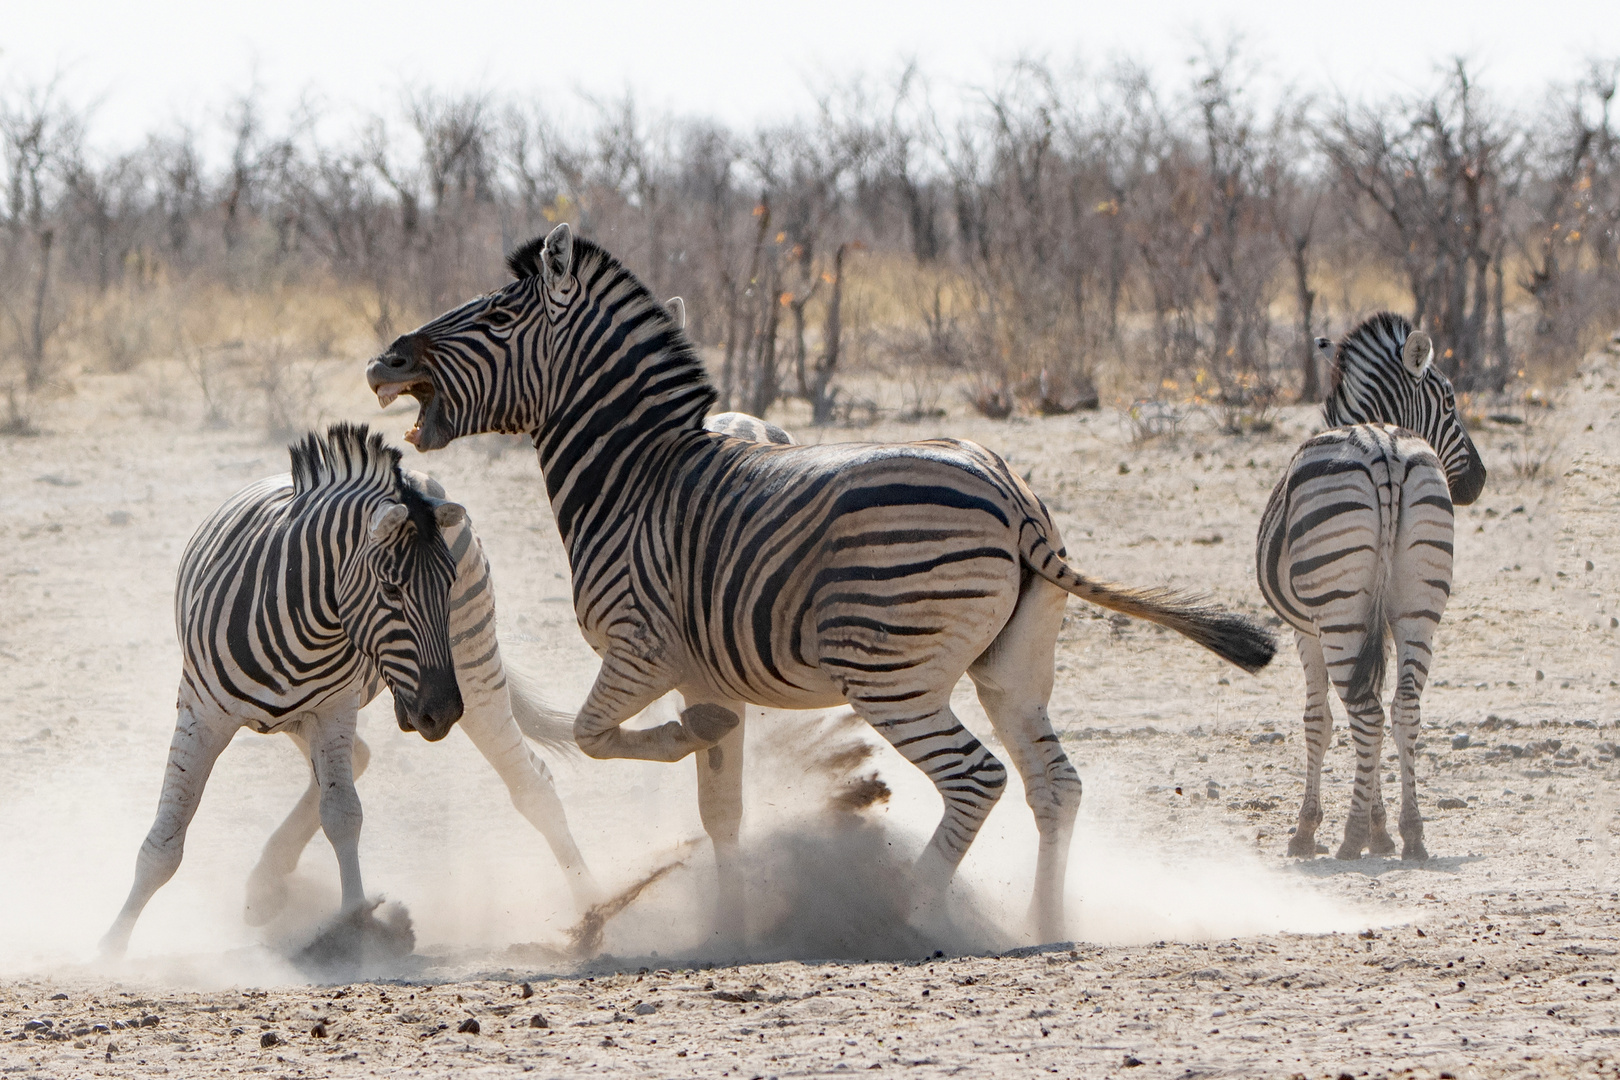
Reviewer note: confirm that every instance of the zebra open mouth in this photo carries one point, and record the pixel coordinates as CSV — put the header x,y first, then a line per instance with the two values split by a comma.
x,y
422,391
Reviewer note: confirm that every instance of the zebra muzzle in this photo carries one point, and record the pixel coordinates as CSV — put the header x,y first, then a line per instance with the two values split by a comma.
x,y
709,723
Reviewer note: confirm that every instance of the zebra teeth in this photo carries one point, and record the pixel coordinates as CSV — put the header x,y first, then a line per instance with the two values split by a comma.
x,y
388,393
415,433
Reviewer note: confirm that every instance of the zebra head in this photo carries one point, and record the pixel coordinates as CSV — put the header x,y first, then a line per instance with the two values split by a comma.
x,y
571,317
398,609
1384,373
464,368
394,601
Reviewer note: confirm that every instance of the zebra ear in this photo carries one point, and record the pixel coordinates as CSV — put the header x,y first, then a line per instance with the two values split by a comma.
x,y
388,518
557,259
1417,353
424,483
677,308
449,513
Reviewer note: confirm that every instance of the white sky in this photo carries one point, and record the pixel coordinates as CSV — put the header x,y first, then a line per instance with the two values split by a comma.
x,y
149,64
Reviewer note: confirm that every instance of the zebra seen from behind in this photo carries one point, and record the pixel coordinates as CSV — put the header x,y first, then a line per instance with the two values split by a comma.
x,y
787,576
1356,542
296,602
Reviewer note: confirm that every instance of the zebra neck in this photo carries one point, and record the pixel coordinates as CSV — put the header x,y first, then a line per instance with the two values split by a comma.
x,y
608,462
319,591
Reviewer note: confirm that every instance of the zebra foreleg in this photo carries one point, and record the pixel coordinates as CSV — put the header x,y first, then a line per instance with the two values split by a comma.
x,y
267,884
719,775
1014,681
1318,736
198,741
967,776
496,735
622,689
331,754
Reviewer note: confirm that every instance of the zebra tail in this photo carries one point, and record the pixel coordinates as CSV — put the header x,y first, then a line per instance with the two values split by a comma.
x,y
1232,637
1367,676
552,728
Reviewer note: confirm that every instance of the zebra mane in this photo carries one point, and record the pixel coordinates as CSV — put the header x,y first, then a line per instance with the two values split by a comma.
x,y
593,263
1369,355
524,261
348,454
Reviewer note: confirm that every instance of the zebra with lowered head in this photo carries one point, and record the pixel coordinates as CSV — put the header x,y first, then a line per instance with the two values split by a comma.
x,y
499,716
1356,543
788,576
296,602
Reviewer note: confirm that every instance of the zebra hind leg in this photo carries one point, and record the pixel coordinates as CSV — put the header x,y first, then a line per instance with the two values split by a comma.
x,y
1379,842
267,884
1318,736
720,804
1014,680
1413,656
1367,733
967,776
197,743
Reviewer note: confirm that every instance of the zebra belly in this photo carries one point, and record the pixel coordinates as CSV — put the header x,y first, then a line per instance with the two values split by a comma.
x,y
274,713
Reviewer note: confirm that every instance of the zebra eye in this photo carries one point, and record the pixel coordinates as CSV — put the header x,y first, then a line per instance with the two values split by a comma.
x,y
393,593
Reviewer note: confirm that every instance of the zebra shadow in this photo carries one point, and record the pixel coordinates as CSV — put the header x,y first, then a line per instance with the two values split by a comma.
x,y
1378,865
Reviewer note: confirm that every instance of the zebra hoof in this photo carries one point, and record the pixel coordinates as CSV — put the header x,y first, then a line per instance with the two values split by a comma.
x,y
1348,852
709,724
1302,847
1414,852
1382,845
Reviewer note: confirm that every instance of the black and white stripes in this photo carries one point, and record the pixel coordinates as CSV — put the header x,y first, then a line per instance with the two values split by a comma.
x,y
292,593
785,576
1356,542
295,601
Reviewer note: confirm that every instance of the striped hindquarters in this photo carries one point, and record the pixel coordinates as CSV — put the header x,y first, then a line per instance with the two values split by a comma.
x,y
1356,535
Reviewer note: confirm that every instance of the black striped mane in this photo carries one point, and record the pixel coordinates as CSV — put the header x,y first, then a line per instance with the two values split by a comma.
x,y
1369,354
524,261
595,267
350,455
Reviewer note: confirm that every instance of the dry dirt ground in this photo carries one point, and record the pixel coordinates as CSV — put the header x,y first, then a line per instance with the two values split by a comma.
x,y
1200,949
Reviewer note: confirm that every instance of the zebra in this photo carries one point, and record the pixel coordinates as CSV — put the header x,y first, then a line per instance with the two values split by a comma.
x,y
295,602
752,428
498,712
791,577
1356,540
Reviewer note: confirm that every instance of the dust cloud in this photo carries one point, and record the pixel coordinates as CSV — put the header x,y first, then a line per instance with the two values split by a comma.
x,y
833,820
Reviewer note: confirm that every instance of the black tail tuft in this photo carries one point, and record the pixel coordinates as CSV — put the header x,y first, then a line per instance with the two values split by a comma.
x,y
1367,677
1236,638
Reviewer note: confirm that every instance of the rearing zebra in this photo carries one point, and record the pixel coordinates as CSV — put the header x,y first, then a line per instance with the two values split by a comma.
x,y
1356,540
787,576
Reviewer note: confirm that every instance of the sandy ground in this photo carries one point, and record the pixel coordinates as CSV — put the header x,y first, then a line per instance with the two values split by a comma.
x,y
1201,950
